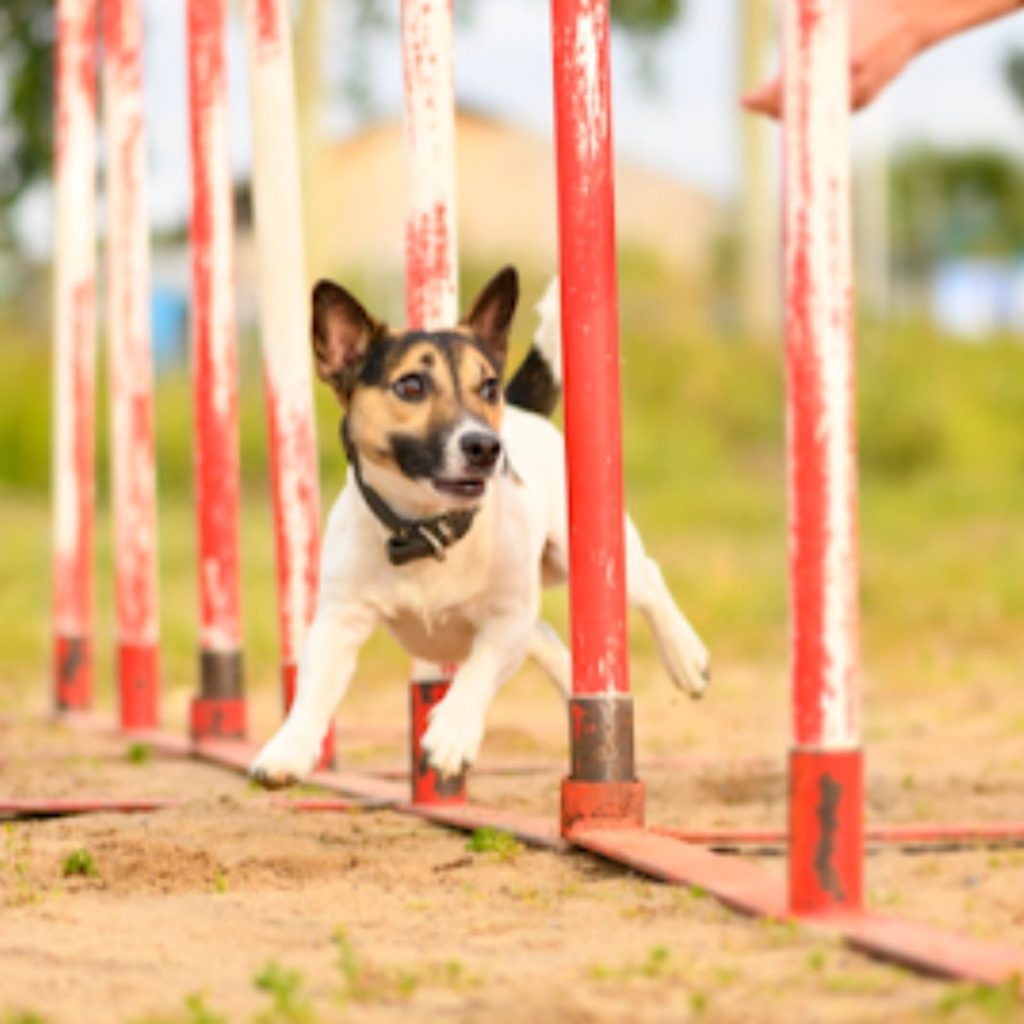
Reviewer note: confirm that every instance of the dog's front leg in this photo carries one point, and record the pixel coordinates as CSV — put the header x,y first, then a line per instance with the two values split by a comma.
x,y
325,670
452,740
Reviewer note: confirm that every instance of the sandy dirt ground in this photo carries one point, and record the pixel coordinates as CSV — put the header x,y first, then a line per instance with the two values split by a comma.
x,y
227,907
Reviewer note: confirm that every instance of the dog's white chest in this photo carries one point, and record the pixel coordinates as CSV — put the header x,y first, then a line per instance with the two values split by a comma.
x,y
442,636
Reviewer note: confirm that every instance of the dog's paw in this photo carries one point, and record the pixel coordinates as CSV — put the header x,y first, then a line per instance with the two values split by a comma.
x,y
689,666
453,737
283,762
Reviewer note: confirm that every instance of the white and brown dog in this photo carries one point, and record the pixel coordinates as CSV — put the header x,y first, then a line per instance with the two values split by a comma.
x,y
452,519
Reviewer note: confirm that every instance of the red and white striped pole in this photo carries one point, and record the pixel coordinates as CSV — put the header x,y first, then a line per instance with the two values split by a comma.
x,y
219,710
431,278
431,258
602,783
131,371
826,787
284,314
74,359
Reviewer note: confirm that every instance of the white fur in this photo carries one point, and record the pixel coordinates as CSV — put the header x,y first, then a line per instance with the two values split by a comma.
x,y
479,607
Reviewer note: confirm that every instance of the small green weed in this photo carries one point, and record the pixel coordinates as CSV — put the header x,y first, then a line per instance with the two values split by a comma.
x,y
220,881
139,753
491,840
23,1017
80,862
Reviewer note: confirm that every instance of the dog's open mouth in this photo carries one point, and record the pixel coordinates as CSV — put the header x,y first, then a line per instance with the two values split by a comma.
x,y
467,487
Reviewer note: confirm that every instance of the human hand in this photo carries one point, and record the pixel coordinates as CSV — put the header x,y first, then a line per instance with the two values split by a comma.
x,y
885,35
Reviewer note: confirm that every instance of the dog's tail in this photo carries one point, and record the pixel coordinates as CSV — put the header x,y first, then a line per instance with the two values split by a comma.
x,y
537,385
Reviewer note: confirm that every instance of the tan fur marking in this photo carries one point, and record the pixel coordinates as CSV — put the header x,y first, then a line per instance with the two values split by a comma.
x,y
473,370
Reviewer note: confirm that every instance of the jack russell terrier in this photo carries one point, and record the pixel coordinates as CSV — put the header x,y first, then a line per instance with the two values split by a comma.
x,y
452,518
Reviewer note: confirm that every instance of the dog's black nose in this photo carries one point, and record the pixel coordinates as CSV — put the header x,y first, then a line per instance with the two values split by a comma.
x,y
481,450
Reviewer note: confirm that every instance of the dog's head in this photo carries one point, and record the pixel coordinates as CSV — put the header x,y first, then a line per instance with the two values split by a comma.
x,y
423,408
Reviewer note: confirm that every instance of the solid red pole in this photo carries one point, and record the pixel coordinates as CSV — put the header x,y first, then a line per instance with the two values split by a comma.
x,y
431,277
826,799
602,782
284,319
219,710
74,334
131,372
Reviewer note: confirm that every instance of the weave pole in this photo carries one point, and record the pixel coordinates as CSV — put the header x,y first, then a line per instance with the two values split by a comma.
x,y
131,371
826,785
219,710
431,280
74,339
602,784
288,381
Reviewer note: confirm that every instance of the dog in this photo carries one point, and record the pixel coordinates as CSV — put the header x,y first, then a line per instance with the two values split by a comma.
x,y
452,518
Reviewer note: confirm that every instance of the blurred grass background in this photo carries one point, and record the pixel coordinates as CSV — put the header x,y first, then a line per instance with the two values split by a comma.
x,y
942,492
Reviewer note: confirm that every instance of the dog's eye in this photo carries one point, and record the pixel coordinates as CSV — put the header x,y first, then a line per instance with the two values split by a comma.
x,y
490,390
413,387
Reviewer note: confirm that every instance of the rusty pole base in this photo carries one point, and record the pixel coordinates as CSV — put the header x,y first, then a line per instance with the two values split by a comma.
x,y
428,787
826,831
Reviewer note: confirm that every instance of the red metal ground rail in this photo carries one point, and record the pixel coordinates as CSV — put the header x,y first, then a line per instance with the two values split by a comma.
x,y
739,884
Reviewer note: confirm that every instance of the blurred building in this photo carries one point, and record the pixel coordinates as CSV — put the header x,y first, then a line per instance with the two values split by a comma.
x,y
506,204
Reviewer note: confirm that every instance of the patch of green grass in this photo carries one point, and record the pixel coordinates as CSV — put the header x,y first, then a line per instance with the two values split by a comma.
x,y
997,1003
364,981
80,862
220,881
491,840
657,964
23,1017
288,1003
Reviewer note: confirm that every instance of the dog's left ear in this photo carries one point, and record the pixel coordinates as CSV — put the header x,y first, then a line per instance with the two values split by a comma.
x,y
490,317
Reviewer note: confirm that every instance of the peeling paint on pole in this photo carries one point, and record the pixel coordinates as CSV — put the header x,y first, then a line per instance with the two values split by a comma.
x,y
431,269
215,371
819,341
284,315
593,424
130,363
74,352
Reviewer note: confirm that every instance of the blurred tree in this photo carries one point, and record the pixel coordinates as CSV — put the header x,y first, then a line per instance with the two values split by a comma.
x,y
1014,69
26,99
954,204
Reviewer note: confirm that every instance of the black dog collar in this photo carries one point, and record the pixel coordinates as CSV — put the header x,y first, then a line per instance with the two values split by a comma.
x,y
410,539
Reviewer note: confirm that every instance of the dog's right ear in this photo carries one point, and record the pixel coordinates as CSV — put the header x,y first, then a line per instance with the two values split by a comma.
x,y
342,332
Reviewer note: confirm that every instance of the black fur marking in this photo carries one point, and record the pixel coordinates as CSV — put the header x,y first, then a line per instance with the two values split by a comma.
x,y
419,457
533,386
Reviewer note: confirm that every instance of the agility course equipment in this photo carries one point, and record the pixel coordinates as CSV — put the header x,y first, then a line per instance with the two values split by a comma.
x,y
431,281
131,372
602,800
74,334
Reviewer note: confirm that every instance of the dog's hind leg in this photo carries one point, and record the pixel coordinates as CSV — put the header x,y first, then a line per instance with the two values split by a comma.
x,y
681,650
550,653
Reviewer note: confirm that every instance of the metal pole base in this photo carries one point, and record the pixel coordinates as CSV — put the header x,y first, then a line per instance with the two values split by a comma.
x,y
826,840
219,710
428,787
138,677
289,680
602,789
72,673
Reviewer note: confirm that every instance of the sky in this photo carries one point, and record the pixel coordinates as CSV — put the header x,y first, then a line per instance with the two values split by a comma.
x,y
953,95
